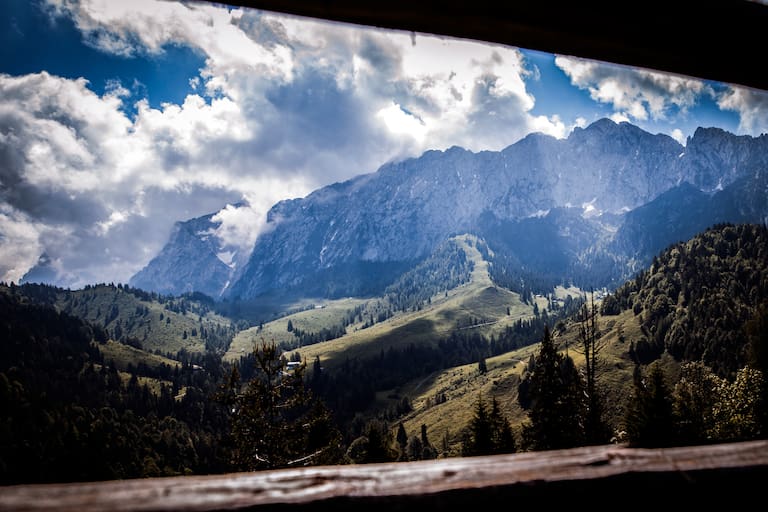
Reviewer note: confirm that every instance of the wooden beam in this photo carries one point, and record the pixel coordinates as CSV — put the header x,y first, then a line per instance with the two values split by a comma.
x,y
722,40
740,469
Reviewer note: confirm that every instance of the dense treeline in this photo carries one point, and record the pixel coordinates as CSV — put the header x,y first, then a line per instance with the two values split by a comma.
x,y
70,415
142,319
696,297
352,387
507,271
447,268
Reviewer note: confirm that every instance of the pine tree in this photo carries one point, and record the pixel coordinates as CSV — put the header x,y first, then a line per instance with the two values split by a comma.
x,y
757,333
276,421
479,441
555,391
489,432
402,441
650,420
428,451
503,439
596,430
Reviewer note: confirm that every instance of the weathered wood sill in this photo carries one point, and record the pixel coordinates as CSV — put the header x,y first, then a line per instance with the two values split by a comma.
x,y
738,469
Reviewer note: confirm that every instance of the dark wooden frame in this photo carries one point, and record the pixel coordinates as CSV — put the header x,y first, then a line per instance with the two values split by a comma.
x,y
614,476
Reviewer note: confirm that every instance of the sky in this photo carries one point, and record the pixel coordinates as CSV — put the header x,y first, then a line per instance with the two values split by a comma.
x,y
119,118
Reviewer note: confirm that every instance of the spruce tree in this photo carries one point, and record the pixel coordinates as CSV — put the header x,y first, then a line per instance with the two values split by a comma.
x,y
555,391
479,441
402,441
503,439
489,432
650,421
596,430
276,421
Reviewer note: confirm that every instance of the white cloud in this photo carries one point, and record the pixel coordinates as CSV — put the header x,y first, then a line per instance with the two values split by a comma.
x,y
239,225
619,117
750,104
678,135
634,93
282,106
20,245
146,26
76,165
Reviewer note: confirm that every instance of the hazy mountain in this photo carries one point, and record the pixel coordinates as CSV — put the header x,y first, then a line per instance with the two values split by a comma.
x,y
557,206
194,259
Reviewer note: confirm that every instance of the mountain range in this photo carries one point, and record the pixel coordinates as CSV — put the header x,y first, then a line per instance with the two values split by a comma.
x,y
590,209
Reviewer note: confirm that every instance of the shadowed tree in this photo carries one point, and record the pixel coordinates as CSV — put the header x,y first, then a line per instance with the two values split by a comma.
x,y
589,344
402,441
757,333
650,422
489,432
555,397
276,421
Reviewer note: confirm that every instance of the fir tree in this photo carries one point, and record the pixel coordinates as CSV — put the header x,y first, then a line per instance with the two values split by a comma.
x,y
402,441
276,421
555,391
489,432
650,422
478,441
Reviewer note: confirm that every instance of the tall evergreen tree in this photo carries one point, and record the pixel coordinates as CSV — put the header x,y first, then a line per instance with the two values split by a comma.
x,y
503,438
276,421
757,333
479,441
489,432
596,429
650,421
555,395
402,440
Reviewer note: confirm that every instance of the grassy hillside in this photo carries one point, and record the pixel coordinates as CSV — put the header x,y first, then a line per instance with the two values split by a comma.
x,y
444,401
122,356
729,263
477,306
148,321
321,314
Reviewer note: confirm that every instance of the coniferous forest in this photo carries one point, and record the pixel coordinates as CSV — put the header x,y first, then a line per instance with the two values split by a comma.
x,y
89,393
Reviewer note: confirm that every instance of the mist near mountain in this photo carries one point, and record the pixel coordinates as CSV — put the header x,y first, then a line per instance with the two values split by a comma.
x,y
590,209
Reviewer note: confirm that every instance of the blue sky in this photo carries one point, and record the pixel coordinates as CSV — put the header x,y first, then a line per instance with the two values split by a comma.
x,y
119,118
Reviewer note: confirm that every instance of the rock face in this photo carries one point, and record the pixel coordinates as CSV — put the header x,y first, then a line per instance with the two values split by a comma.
x,y
190,261
355,237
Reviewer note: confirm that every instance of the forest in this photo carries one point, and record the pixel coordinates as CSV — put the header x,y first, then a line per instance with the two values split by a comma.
x,y
89,393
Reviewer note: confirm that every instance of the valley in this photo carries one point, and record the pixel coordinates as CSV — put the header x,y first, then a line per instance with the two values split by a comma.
x,y
396,315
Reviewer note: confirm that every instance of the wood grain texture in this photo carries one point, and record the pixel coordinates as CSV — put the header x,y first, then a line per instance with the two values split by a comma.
x,y
694,471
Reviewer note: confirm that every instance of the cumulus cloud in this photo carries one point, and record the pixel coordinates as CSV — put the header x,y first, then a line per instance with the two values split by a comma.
x,y
634,93
678,135
750,104
20,243
283,105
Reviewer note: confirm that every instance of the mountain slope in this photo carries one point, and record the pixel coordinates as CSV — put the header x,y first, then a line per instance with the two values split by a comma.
x,y
591,209
697,295
189,262
473,305
140,318
200,256
399,214
694,301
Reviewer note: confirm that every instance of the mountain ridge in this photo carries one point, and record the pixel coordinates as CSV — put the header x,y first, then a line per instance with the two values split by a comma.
x,y
355,237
